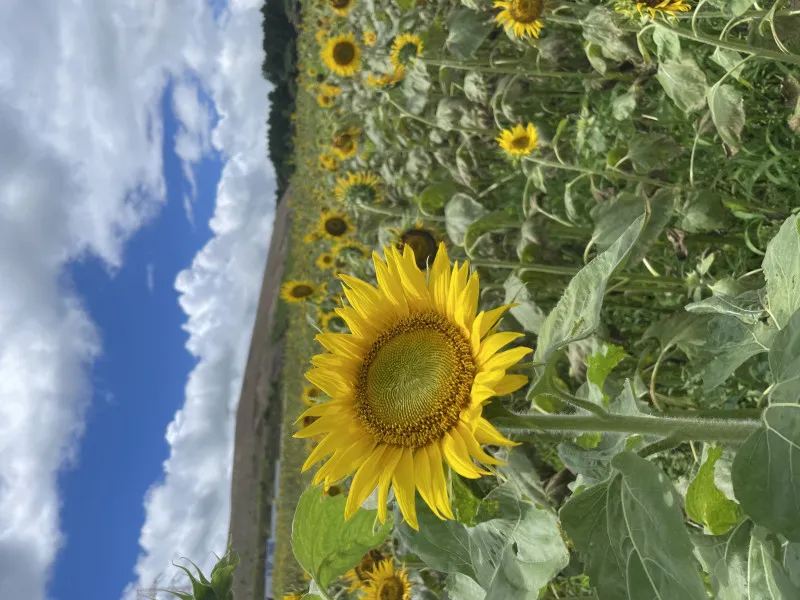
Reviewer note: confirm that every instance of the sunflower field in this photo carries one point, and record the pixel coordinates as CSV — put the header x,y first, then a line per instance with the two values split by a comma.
x,y
543,301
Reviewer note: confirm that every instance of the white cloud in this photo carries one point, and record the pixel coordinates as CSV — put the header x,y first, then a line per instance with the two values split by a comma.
x,y
150,277
80,172
187,513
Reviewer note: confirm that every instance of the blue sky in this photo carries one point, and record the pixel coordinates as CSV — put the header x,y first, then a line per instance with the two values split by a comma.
x,y
138,384
118,398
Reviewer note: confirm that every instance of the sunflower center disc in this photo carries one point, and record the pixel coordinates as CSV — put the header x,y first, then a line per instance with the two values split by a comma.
x,y
335,226
525,11
340,3
301,291
392,589
407,52
344,53
415,381
521,142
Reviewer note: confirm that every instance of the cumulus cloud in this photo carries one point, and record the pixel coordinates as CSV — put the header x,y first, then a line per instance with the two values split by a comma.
x,y
187,513
80,172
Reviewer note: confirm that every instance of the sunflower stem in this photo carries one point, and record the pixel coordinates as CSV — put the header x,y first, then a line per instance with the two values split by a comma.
x,y
393,212
675,428
703,38
571,272
520,69
607,174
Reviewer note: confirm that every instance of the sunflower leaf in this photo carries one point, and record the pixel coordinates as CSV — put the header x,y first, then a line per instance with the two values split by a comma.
x,y
577,314
326,545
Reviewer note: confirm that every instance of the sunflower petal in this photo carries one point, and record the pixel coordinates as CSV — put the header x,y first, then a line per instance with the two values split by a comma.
x,y
439,279
491,317
457,457
485,433
439,482
493,343
474,447
341,343
346,461
333,384
468,303
404,487
391,458
503,360
390,286
325,448
509,384
364,481
413,279
424,480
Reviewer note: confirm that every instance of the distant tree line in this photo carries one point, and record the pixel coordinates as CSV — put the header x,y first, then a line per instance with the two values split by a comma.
x,y
280,69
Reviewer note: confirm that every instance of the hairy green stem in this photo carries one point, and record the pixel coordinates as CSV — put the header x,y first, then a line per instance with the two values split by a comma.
x,y
728,45
519,68
675,428
607,174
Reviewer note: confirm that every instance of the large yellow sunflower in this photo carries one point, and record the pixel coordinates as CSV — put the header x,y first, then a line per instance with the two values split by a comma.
x,y
520,17
298,291
653,8
386,583
408,385
334,226
519,140
341,7
341,55
362,186
345,143
405,47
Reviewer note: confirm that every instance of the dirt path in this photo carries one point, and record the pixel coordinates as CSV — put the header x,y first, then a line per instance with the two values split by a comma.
x,y
258,422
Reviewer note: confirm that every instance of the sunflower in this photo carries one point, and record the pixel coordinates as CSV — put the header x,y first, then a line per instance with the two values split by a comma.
x,y
359,574
422,242
297,596
341,7
653,8
334,226
311,394
520,17
298,291
405,47
325,101
341,55
408,385
362,186
320,36
345,143
326,260
328,162
370,38
388,79
385,583
330,90
519,140
331,321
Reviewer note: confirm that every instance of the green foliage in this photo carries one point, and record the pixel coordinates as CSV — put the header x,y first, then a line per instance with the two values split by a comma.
x,y
219,587
706,504
324,543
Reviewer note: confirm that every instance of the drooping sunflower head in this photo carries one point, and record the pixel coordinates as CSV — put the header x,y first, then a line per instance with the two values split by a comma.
x,y
370,38
387,79
341,55
330,321
387,583
422,241
405,47
324,100
312,394
362,186
652,9
520,18
326,260
335,226
299,291
328,162
409,383
345,143
519,140
341,7
359,574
